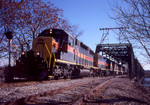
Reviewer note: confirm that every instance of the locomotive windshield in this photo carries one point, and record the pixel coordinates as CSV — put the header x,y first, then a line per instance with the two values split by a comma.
x,y
45,33
59,35
51,33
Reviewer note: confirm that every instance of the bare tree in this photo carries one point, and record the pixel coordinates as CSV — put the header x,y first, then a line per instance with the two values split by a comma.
x,y
27,18
75,31
134,14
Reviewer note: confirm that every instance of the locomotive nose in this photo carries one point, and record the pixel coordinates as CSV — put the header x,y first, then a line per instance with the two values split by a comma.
x,y
42,46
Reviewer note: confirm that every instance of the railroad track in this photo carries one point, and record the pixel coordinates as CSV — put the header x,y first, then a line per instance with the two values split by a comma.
x,y
55,92
88,97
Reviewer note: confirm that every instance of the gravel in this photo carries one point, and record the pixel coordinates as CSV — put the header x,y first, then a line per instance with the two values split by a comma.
x,y
73,95
117,92
8,94
121,91
67,96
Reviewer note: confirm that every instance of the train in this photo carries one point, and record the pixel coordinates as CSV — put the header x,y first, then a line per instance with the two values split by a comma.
x,y
57,54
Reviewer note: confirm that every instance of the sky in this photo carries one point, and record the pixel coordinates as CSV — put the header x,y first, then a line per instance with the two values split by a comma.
x,y
89,16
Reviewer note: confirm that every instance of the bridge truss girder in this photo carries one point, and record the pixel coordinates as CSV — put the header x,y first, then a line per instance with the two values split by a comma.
x,y
121,52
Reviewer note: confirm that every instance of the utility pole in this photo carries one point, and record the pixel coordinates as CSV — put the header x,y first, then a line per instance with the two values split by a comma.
x,y
8,70
106,32
9,37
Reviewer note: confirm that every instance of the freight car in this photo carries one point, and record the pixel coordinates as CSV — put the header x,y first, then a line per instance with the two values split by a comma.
x,y
55,53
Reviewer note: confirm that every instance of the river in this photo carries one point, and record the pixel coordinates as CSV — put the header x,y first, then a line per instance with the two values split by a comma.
x,y
146,81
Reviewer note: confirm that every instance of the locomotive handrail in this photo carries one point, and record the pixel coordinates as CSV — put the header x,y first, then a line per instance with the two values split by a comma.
x,y
54,56
49,55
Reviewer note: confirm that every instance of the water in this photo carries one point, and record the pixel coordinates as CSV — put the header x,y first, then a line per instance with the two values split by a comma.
x,y
146,82
146,79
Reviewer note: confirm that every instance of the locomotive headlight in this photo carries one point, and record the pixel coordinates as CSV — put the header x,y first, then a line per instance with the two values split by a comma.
x,y
22,53
38,53
51,31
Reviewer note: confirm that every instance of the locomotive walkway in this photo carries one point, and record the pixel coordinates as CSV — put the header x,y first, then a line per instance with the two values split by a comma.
x,y
88,91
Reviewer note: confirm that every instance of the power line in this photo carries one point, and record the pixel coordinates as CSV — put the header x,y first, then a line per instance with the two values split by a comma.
x,y
106,32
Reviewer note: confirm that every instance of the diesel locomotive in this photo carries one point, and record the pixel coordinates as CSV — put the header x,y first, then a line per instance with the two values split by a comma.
x,y
55,53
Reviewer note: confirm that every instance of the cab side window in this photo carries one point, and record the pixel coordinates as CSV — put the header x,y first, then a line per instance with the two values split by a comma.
x,y
71,41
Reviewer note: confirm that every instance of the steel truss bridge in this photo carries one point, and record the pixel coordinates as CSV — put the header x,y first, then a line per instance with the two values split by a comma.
x,y
123,54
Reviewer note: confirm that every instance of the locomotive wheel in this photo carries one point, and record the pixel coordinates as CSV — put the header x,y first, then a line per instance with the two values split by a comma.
x,y
56,77
66,76
66,72
8,74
